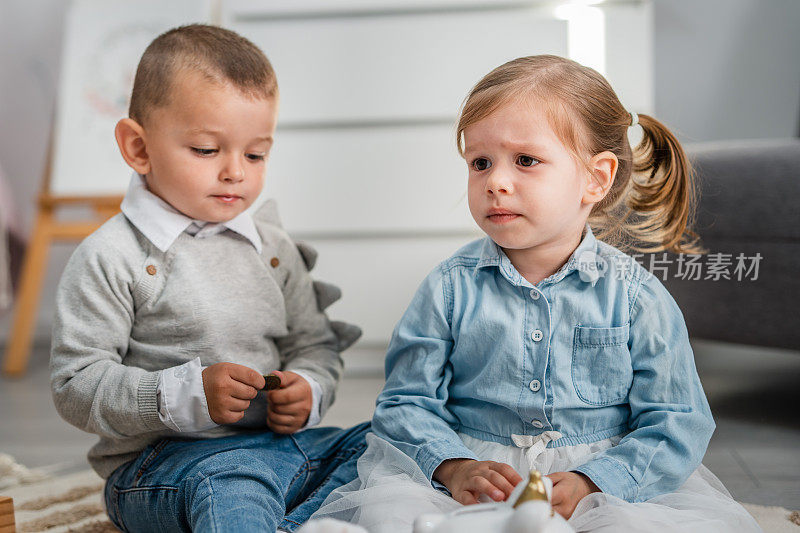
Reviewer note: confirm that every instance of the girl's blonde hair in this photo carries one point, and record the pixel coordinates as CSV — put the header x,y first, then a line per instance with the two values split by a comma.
x,y
650,206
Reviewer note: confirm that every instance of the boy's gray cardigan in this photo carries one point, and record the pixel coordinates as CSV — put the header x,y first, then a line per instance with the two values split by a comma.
x,y
125,311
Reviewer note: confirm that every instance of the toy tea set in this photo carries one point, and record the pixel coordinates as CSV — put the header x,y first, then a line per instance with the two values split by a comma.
x,y
527,510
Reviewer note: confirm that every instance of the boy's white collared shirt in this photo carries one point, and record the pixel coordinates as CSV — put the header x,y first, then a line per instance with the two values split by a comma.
x,y
162,224
181,398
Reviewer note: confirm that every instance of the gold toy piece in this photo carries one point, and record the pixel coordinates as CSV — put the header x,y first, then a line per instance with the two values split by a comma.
x,y
534,490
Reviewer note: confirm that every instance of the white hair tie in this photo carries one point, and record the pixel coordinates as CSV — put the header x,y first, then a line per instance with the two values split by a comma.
x,y
634,118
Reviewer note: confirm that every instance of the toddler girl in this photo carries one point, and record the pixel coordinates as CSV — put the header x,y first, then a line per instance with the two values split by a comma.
x,y
543,346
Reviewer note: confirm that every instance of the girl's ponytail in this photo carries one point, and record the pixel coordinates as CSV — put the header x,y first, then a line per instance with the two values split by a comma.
x,y
663,193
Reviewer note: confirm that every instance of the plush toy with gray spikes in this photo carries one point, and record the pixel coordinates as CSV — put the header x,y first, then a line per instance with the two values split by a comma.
x,y
346,334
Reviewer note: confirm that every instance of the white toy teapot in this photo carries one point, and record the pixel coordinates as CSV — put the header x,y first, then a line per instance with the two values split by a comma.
x,y
527,510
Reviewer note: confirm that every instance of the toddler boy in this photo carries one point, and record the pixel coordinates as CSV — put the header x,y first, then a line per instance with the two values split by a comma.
x,y
169,316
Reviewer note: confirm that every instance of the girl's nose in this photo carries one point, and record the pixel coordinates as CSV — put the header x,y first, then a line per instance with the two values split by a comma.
x,y
498,183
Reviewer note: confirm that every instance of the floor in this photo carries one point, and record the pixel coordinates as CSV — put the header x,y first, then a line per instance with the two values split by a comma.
x,y
753,393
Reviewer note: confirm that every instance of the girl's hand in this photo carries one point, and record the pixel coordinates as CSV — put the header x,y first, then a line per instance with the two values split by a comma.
x,y
568,489
290,405
467,479
229,388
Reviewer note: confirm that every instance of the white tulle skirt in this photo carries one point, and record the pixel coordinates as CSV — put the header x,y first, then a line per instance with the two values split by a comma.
x,y
391,491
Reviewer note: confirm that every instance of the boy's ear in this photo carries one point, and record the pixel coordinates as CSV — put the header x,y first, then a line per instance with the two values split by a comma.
x,y
132,146
603,168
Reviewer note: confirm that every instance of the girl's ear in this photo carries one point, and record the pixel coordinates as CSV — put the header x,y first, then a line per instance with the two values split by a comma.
x,y
603,168
131,141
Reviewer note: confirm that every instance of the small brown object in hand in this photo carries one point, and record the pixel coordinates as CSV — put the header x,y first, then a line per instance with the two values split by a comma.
x,y
273,382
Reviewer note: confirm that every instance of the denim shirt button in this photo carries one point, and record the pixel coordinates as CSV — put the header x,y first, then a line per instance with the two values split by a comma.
x,y
537,423
537,335
534,294
535,385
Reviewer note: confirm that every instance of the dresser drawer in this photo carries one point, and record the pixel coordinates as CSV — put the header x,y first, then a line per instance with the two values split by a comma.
x,y
369,180
400,66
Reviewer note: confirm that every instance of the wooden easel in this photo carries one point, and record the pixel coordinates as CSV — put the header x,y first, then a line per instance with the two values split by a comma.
x,y
47,230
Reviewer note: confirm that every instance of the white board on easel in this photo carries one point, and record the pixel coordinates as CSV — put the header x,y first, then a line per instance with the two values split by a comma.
x,y
103,42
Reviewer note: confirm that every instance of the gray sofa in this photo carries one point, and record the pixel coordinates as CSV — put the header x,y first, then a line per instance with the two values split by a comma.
x,y
750,204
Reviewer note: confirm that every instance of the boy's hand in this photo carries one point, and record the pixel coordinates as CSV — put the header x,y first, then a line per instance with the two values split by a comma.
x,y
289,406
467,479
229,388
568,489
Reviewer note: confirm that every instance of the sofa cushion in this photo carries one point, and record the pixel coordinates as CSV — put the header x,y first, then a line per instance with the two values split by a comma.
x,y
748,206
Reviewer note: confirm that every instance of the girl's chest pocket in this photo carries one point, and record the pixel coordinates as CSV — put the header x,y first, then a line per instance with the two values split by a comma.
x,y
601,364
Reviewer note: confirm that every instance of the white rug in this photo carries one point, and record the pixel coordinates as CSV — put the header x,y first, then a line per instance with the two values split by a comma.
x,y
74,503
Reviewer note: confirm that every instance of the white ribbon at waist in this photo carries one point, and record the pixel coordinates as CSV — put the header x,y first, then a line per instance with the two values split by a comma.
x,y
535,444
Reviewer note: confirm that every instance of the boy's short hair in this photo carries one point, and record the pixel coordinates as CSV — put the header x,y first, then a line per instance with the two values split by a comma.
x,y
220,54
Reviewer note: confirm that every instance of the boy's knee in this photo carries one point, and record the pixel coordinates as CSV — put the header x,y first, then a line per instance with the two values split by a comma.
x,y
245,468
234,482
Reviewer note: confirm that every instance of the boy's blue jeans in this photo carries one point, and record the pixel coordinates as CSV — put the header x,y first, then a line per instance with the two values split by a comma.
x,y
251,482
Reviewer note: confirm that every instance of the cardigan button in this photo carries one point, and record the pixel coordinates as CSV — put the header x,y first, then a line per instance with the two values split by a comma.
x,y
151,269
274,262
